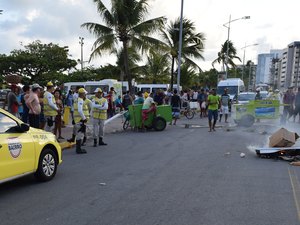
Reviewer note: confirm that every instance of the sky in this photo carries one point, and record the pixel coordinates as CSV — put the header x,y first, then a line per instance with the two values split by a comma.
x,y
272,24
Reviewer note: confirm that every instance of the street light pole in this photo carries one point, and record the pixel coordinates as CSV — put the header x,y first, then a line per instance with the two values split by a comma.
x,y
180,48
246,46
81,60
250,71
228,35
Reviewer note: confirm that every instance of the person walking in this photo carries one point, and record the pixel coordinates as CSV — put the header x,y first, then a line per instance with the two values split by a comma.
x,y
50,108
288,101
99,115
225,104
127,100
12,101
213,102
258,95
139,99
176,106
202,97
297,105
81,117
20,105
111,104
58,119
24,97
33,103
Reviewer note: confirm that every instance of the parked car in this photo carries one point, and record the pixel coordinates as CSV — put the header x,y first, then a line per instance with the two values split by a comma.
x,y
264,94
25,150
3,93
245,97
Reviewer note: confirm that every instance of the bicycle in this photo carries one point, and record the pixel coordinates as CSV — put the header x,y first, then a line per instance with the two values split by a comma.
x,y
188,113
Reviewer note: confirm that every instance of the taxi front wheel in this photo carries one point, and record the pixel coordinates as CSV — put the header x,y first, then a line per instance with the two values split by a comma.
x,y
47,165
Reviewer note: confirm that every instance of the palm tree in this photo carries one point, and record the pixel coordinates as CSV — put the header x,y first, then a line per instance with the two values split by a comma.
x,y
157,67
222,55
133,59
124,22
192,44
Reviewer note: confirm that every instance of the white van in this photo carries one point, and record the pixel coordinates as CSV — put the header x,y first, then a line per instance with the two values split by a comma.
x,y
152,87
234,85
90,86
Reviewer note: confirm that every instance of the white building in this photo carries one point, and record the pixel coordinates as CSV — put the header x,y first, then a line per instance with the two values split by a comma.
x,y
264,70
289,66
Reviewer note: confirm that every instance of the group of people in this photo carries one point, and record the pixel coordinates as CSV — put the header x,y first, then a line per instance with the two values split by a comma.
x,y
44,109
41,109
291,106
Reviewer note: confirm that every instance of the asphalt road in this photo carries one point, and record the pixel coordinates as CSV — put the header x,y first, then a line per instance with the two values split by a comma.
x,y
181,176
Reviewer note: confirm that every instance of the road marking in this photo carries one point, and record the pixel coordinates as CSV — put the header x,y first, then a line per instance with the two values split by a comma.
x,y
296,190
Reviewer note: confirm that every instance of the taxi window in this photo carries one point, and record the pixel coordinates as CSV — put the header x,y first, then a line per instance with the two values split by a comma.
x,y
6,123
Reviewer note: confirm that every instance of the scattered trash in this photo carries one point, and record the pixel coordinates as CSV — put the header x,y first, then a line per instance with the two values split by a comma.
x,y
102,184
295,163
280,146
287,158
242,155
227,154
283,138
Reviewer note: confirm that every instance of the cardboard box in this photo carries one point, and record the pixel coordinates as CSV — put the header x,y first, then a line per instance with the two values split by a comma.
x,y
283,138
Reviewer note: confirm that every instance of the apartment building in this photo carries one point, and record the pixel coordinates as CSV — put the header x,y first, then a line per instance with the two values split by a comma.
x,y
289,66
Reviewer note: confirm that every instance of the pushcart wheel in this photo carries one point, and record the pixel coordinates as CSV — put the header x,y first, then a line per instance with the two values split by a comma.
x,y
189,114
159,123
125,124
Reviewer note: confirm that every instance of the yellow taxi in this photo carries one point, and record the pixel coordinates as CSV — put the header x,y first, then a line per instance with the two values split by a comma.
x,y
25,150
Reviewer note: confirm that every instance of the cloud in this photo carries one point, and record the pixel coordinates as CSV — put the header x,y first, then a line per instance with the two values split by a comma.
x,y
59,22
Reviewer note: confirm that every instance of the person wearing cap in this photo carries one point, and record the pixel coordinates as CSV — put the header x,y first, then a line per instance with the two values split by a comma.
x,y
258,95
81,116
148,107
34,106
87,102
50,108
99,115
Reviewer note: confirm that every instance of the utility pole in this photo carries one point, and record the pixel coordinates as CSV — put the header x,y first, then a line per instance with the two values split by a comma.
x,y
81,59
180,47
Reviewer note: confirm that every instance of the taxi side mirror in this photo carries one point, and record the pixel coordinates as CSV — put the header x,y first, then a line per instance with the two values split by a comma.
x,y
24,127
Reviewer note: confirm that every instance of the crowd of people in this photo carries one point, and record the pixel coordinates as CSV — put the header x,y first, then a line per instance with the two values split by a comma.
x,y
44,109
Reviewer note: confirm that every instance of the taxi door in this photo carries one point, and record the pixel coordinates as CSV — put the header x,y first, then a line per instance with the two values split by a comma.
x,y
17,150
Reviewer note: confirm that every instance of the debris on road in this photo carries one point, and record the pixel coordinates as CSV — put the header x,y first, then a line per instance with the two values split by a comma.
x,y
242,155
227,154
295,163
102,184
280,146
283,138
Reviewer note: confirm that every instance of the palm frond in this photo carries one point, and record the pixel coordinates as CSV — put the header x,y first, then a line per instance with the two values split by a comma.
x,y
105,13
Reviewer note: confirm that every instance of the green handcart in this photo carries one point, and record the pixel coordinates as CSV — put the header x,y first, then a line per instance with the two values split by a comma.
x,y
157,122
246,114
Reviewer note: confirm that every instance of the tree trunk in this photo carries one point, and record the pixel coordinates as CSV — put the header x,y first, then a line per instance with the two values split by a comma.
x,y
172,74
126,67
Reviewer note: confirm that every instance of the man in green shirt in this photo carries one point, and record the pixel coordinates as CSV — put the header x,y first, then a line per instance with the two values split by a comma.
x,y
213,106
